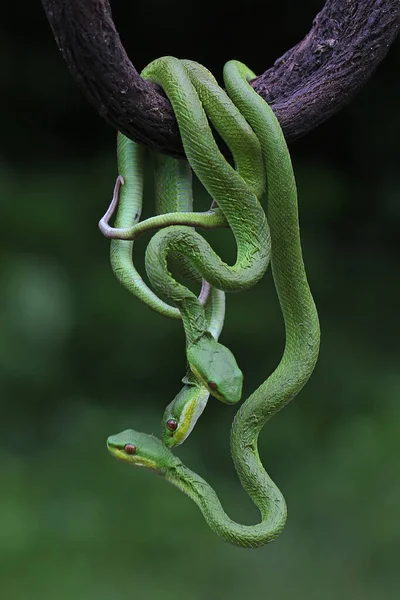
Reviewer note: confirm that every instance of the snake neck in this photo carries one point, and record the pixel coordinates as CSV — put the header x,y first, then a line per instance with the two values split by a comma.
x,y
249,268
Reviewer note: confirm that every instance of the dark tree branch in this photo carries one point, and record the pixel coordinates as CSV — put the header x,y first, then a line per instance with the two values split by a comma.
x,y
307,85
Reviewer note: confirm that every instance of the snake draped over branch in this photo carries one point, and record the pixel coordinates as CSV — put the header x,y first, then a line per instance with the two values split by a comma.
x,y
253,134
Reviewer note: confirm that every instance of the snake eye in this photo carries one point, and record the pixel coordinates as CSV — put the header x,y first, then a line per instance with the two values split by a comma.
x,y
213,386
130,448
172,424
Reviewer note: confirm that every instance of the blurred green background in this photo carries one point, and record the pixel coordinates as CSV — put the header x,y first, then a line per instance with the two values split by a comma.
x,y
80,359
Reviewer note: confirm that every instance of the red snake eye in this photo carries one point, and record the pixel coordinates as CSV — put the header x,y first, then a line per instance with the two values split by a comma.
x,y
130,448
172,424
212,385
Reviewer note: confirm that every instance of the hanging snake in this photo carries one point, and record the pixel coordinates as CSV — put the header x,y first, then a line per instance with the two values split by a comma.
x,y
221,376
237,194
301,329
173,196
173,193
193,92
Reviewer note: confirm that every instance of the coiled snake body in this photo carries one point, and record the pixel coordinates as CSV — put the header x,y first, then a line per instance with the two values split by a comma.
x,y
299,356
173,197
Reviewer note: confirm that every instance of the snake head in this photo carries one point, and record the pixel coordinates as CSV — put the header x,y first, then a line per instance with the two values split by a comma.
x,y
182,413
216,368
142,450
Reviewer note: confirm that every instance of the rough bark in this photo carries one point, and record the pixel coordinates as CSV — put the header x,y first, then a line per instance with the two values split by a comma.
x,y
307,85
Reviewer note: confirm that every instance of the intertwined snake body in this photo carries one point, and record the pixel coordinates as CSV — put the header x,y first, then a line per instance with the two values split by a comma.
x,y
235,192
173,196
298,360
237,195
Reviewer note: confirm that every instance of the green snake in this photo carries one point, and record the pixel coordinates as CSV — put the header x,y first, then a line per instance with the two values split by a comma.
x,y
237,195
294,369
173,194
193,92
181,415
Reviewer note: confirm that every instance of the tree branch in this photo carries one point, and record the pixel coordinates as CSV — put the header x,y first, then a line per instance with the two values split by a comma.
x,y
306,86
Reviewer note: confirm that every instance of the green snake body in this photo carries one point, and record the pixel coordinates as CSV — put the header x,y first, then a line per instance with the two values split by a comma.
x,y
128,195
191,89
237,194
173,195
297,363
130,166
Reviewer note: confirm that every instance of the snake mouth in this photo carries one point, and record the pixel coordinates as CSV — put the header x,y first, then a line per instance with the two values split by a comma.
x,y
117,452
136,461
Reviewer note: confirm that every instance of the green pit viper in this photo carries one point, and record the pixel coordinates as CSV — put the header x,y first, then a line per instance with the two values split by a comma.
x,y
237,194
173,194
301,345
